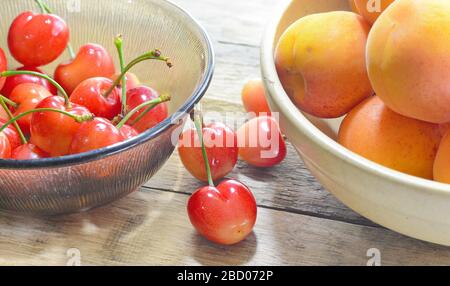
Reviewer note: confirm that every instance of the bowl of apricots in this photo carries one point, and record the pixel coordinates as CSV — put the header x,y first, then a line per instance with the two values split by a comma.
x,y
362,88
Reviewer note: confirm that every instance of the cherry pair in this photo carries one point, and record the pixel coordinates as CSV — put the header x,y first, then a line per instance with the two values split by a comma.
x,y
258,142
225,214
91,94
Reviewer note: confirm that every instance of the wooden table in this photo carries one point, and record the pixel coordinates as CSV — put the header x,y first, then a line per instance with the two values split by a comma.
x,y
299,223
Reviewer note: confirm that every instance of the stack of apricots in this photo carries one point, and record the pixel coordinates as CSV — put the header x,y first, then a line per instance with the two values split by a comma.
x,y
386,68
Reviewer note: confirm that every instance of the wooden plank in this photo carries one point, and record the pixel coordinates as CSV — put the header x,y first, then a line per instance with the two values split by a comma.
x,y
152,228
236,28
288,187
240,22
236,64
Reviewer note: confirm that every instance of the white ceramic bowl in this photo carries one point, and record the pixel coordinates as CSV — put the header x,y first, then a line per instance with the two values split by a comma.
x,y
409,205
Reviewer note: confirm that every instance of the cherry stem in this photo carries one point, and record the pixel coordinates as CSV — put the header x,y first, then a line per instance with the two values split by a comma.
x,y
152,55
10,115
41,75
77,118
119,45
150,104
148,110
46,10
198,121
9,101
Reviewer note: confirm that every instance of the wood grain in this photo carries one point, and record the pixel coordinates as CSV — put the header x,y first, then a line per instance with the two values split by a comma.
x,y
240,22
236,28
152,228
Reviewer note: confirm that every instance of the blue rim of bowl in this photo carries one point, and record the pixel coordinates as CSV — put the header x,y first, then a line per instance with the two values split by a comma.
x,y
172,120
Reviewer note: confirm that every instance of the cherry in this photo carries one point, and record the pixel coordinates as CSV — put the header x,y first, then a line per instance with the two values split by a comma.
x,y
5,146
53,132
37,39
142,94
254,99
90,93
221,148
12,134
131,79
28,152
3,67
261,143
3,114
13,81
128,132
225,214
92,60
95,134
26,97
28,101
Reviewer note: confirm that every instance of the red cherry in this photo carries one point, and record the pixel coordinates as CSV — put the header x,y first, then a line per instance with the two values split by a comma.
x,y
28,152
128,132
13,81
95,134
5,146
3,114
254,99
132,80
221,147
90,93
53,132
226,214
261,143
27,96
136,97
37,39
3,67
12,134
92,60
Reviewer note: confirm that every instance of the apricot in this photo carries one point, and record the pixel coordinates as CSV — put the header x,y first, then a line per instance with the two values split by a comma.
x,y
320,61
408,59
254,98
404,144
372,9
441,169
444,128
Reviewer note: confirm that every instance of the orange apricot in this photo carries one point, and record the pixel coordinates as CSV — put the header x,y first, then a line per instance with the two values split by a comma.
x,y
404,144
372,9
408,59
441,170
254,99
320,61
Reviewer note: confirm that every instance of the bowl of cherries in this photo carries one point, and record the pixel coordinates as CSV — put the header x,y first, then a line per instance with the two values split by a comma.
x,y
93,97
